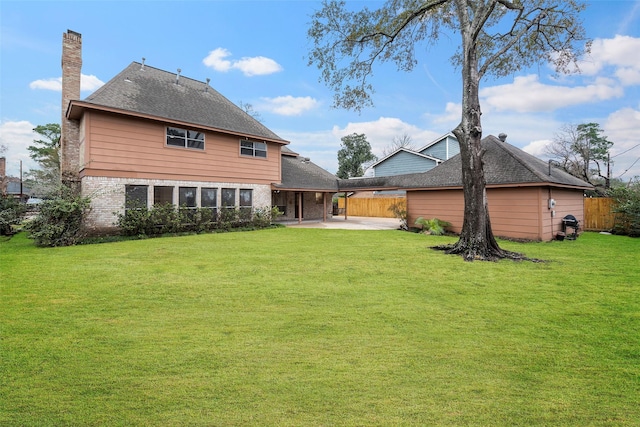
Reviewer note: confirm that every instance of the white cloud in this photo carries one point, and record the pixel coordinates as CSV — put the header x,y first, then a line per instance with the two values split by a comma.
x,y
250,66
288,105
216,60
54,83
619,52
622,127
87,83
451,116
257,66
537,148
17,136
527,94
90,83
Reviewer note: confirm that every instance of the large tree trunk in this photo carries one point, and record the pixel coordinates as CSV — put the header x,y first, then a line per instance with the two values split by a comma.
x,y
476,239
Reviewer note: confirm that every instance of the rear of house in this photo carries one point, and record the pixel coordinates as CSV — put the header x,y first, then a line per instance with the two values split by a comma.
x,y
151,137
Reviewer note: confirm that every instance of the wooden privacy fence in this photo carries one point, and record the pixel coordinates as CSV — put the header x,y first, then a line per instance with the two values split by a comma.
x,y
598,212
374,206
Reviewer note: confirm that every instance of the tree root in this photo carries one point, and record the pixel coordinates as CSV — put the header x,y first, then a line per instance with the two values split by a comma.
x,y
483,254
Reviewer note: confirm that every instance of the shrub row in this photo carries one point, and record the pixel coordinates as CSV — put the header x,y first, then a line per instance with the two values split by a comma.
x,y
166,219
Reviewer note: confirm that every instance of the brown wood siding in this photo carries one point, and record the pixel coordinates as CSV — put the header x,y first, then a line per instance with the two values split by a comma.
x,y
568,202
117,146
447,205
517,213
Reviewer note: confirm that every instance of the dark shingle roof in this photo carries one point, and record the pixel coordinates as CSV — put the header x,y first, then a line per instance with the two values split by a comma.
x,y
298,173
504,164
150,91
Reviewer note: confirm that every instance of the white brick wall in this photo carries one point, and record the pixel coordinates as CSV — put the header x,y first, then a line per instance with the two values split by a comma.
x,y
107,196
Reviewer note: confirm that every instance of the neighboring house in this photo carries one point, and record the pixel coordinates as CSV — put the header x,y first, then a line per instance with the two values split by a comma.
x,y
527,197
404,161
152,137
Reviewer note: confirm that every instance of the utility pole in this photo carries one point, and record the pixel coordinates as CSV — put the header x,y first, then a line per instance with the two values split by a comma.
x,y
21,180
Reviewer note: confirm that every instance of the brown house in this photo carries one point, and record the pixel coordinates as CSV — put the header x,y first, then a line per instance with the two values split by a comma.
x,y
149,136
527,197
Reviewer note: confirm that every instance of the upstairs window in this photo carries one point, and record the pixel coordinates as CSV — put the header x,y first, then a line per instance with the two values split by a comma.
x,y
253,149
185,138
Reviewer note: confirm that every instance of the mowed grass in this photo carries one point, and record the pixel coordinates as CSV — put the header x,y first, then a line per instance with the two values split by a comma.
x,y
296,327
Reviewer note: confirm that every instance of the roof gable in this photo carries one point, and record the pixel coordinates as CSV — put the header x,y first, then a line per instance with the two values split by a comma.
x,y
150,91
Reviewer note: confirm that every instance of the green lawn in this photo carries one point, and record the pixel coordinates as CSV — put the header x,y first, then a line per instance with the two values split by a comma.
x,y
318,327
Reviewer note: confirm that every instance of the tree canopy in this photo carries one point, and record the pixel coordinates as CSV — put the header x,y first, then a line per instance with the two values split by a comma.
x,y
46,152
497,37
355,152
584,152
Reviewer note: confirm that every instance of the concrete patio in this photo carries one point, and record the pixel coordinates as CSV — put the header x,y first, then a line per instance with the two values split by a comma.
x,y
351,223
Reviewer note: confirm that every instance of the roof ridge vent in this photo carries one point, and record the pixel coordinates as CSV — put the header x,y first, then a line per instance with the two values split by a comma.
x,y
142,66
178,76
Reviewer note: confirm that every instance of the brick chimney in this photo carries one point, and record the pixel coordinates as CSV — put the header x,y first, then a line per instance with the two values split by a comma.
x,y
70,129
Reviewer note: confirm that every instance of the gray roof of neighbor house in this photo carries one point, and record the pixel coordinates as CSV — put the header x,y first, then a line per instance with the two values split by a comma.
x,y
504,165
299,173
148,91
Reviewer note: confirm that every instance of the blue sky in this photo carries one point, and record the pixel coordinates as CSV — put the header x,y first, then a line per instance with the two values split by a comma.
x,y
255,52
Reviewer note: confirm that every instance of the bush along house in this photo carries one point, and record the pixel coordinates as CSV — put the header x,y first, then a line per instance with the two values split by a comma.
x,y
151,137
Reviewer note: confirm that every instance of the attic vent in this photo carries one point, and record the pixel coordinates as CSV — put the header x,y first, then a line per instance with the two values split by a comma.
x,y
305,159
142,66
178,76
502,137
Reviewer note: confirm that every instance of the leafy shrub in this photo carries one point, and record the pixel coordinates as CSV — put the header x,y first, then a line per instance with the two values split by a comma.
x,y
59,222
433,226
11,213
627,209
166,219
399,211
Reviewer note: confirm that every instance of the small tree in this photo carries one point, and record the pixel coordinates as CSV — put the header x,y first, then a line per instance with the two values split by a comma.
x,y
46,152
583,152
403,141
354,154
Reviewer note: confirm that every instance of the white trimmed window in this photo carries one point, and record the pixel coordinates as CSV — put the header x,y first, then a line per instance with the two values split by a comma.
x,y
253,148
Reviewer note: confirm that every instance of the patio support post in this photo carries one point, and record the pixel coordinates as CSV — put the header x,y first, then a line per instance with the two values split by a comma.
x,y
324,207
346,199
300,207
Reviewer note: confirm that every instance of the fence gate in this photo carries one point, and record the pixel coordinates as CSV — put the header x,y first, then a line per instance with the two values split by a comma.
x,y
598,214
